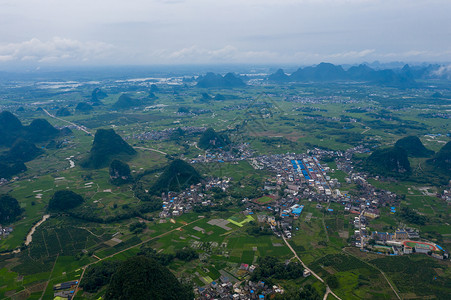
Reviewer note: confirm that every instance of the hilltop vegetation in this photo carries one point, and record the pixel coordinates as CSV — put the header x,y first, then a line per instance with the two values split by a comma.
x,y
96,95
107,145
210,139
11,129
126,102
83,107
65,200
211,80
178,175
413,146
120,172
442,159
391,161
63,112
7,170
22,151
9,209
20,139
144,278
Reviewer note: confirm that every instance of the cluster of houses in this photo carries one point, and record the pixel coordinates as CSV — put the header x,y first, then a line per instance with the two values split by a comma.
x,y
5,231
240,152
224,289
404,241
165,134
64,290
177,203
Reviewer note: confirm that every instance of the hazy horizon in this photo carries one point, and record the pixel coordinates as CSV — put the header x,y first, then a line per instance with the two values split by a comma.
x,y
185,32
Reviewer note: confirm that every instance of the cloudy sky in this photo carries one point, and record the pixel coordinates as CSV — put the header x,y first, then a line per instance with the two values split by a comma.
x,y
112,32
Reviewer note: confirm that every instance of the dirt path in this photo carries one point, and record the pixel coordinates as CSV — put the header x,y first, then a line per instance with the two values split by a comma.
x,y
50,276
383,274
328,290
134,246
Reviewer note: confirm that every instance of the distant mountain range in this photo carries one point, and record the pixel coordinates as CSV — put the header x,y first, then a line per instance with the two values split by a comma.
x,y
218,81
326,72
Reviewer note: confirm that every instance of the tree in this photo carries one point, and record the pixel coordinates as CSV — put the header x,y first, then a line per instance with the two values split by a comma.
x,y
120,172
332,281
144,278
308,292
64,200
9,209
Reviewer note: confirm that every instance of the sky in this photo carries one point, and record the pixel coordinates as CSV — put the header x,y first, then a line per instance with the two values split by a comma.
x,y
148,32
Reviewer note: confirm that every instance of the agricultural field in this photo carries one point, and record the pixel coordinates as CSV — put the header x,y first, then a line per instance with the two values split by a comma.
x,y
269,119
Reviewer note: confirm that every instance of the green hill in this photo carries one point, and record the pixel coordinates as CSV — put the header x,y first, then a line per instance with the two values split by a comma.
x,y
96,95
107,145
391,161
41,130
65,199
210,139
9,209
120,172
22,151
413,146
126,102
83,107
442,159
178,175
62,112
8,169
10,128
144,278
216,80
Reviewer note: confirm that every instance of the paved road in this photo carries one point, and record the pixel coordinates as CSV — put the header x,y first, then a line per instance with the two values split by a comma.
x,y
78,126
328,290
151,149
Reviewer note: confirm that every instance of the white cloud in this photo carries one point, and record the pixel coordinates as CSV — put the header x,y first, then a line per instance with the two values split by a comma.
x,y
54,50
226,54
443,71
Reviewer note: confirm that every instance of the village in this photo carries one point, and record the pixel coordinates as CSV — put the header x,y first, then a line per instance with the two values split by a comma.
x,y
5,231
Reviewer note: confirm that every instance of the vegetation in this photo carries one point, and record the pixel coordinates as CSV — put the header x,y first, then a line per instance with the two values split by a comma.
x,y
216,80
84,107
144,278
62,112
22,151
9,209
270,267
126,102
212,140
107,145
186,254
120,172
442,159
175,177
65,200
12,129
413,146
411,216
98,275
391,161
